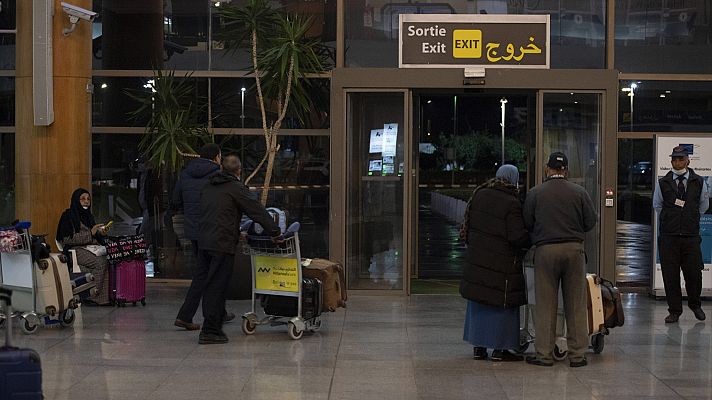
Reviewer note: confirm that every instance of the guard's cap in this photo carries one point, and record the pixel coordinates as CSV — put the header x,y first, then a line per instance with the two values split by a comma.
x,y
679,151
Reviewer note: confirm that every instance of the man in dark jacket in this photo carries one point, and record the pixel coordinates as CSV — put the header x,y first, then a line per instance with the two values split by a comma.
x,y
223,202
680,197
558,214
186,197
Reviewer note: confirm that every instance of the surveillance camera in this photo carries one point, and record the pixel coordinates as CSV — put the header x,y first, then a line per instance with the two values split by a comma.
x,y
78,12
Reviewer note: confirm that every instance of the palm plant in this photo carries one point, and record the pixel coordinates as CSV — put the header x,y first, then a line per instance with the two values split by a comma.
x,y
171,133
282,57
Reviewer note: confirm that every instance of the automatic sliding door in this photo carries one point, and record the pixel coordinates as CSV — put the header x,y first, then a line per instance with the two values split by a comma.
x,y
572,124
375,188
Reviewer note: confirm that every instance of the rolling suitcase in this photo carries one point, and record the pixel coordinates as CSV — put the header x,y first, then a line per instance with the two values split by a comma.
x,y
83,286
20,369
53,289
285,306
331,275
129,282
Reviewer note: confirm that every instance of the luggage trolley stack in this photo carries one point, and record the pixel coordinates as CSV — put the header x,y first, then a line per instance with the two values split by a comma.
x,y
277,277
19,274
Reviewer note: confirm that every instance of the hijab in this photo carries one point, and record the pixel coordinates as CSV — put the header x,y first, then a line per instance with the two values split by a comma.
x,y
72,218
510,173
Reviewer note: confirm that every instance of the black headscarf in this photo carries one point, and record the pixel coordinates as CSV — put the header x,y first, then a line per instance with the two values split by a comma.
x,y
74,216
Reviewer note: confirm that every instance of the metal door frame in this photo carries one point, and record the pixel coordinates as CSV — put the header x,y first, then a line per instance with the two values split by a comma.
x,y
405,80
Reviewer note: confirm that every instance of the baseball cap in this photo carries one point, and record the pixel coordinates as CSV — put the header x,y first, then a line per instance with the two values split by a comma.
x,y
558,160
679,151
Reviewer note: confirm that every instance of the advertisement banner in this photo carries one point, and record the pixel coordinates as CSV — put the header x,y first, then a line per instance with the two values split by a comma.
x,y
700,150
276,274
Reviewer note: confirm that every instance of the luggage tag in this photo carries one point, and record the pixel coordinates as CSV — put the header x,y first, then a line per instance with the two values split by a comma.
x,y
680,202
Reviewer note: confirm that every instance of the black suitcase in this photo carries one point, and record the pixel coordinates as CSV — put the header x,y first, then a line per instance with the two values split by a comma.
x,y
20,369
284,306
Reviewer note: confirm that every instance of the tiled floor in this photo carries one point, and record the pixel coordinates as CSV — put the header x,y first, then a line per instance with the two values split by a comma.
x,y
379,348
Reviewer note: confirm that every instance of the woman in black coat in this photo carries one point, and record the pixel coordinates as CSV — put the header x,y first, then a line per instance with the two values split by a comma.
x,y
493,279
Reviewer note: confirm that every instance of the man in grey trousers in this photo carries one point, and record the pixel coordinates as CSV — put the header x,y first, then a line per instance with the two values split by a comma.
x,y
558,213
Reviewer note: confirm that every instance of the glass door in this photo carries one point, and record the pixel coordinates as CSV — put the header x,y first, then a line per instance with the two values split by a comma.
x,y
376,183
571,122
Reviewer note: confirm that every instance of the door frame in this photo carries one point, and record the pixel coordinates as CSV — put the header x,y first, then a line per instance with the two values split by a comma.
x,y
394,79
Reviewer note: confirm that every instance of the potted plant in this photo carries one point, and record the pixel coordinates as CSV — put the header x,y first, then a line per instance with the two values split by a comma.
x,y
282,56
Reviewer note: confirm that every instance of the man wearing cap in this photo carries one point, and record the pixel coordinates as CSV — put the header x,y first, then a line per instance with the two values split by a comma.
x,y
558,214
680,197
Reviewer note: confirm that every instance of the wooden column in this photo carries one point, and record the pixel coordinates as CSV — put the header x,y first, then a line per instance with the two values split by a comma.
x,y
52,161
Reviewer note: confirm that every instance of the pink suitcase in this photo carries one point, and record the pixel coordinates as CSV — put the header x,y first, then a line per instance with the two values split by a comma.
x,y
129,282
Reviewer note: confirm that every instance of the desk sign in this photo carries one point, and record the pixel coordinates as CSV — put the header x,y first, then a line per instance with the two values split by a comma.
x,y
459,41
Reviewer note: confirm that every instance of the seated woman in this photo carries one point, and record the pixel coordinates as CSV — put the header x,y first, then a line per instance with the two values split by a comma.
x,y
78,230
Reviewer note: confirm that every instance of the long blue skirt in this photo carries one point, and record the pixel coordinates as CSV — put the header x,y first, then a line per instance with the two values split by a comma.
x,y
491,327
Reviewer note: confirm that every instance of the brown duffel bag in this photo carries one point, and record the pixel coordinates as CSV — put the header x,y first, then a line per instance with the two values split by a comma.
x,y
333,282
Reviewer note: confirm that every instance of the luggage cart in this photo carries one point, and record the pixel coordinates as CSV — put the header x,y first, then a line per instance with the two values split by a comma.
x,y
17,273
277,271
526,331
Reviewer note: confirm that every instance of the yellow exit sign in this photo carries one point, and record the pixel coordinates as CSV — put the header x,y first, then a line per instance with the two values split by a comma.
x,y
467,43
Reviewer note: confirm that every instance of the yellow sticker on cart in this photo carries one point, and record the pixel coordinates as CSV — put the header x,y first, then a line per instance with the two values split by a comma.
x,y
276,273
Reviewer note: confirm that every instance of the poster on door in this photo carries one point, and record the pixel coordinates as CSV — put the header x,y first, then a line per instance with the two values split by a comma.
x,y
700,154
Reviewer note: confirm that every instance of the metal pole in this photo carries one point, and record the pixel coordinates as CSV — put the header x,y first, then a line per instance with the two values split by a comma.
x,y
503,101
633,86
242,105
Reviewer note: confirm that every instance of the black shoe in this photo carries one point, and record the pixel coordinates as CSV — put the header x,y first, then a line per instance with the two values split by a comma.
x,y
672,317
539,362
480,353
211,338
699,314
228,317
188,326
576,364
505,355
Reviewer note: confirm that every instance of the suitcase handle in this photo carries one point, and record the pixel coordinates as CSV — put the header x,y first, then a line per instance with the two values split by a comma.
x,y
6,300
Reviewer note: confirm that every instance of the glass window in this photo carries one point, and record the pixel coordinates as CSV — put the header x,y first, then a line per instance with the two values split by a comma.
x,y
323,29
7,101
8,15
301,174
577,29
233,108
150,34
7,178
665,106
663,36
7,50
111,104
634,228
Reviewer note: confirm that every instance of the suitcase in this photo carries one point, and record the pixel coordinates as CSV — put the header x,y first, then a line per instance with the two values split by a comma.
x,y
595,305
83,286
331,275
128,282
53,291
20,369
285,306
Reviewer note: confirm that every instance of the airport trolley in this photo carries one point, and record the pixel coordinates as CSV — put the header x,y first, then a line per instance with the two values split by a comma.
x,y
17,273
277,271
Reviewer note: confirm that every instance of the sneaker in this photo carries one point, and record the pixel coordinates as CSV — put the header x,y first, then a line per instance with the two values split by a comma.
x,y
212,338
539,362
480,353
188,326
671,318
580,363
699,314
505,355
228,317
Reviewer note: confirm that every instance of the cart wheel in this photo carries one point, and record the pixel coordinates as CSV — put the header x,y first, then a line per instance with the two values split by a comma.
x,y
249,327
597,343
27,327
559,354
294,333
67,317
143,302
